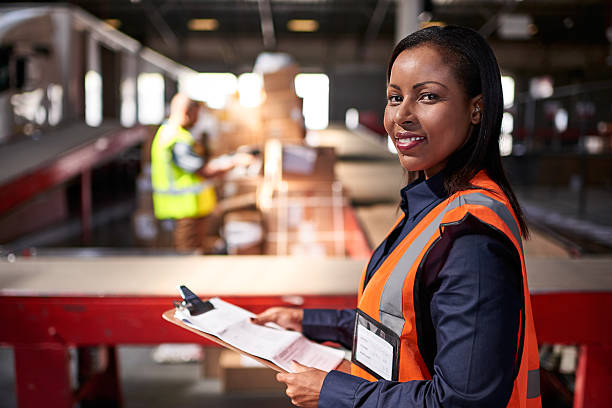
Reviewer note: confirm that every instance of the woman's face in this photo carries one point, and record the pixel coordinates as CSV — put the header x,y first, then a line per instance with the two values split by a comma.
x,y
428,114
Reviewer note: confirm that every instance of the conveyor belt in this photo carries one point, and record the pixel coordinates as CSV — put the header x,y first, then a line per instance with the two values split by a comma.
x,y
157,276
27,154
29,166
248,275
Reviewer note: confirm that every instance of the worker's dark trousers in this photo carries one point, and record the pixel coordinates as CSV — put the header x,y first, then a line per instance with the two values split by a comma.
x,y
191,234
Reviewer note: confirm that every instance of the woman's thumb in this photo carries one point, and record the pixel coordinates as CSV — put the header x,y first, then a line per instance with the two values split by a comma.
x,y
299,368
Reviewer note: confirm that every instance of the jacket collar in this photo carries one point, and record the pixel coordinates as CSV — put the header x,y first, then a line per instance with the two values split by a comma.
x,y
421,193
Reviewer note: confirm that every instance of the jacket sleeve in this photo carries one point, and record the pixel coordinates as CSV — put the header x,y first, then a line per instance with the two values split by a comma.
x,y
475,312
184,157
329,325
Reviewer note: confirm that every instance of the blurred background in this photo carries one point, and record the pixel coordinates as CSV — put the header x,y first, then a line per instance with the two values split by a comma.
x,y
300,84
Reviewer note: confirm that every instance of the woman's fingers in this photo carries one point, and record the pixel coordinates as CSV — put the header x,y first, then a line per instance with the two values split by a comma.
x,y
265,317
288,318
303,386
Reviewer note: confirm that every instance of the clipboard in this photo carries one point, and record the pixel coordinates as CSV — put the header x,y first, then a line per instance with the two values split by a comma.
x,y
274,347
196,307
168,315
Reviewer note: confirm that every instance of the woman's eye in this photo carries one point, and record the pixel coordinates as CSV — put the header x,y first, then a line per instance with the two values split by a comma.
x,y
428,96
394,99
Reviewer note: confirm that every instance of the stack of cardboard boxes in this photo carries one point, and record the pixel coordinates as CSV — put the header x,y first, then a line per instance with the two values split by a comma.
x,y
279,115
238,126
305,215
281,110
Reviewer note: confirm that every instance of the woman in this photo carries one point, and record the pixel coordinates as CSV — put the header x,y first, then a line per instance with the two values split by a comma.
x,y
443,316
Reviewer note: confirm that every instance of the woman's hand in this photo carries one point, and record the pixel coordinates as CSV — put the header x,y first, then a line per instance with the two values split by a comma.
x,y
286,317
303,386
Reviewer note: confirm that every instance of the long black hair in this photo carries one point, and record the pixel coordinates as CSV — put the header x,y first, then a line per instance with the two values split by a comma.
x,y
476,69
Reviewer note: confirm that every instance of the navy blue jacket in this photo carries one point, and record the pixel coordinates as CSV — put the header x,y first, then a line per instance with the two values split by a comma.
x,y
472,297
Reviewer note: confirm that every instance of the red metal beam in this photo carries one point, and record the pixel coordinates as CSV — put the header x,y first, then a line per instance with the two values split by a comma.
x,y
42,328
69,165
115,320
573,318
118,320
43,376
593,377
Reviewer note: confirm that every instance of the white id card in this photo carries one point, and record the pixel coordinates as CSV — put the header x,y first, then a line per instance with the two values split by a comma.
x,y
375,348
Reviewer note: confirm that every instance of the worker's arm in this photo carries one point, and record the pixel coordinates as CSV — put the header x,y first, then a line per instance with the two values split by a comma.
x,y
475,311
330,325
186,158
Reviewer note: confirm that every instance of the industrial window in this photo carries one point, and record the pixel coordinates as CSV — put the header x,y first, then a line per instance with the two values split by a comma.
x,y
314,89
150,98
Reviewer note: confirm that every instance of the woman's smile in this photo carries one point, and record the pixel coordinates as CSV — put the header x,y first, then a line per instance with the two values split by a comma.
x,y
405,141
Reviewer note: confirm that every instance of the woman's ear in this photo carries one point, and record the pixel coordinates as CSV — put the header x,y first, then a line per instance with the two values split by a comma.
x,y
476,106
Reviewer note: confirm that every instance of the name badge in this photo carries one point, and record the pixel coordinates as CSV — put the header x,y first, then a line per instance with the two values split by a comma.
x,y
375,348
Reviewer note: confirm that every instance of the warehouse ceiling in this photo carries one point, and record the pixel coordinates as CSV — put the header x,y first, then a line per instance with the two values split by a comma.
x,y
228,34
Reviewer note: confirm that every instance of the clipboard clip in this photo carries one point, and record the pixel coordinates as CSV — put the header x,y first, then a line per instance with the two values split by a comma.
x,y
192,302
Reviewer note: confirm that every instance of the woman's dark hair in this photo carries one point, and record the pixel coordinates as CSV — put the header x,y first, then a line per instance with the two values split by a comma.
x,y
476,69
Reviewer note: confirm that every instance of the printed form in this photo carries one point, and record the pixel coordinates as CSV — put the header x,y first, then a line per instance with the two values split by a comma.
x,y
271,342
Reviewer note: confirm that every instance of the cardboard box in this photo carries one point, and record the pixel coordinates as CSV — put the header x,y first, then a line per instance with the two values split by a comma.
x,y
210,367
242,185
244,232
281,96
281,80
282,110
323,168
310,250
282,105
284,129
229,141
238,126
239,373
307,220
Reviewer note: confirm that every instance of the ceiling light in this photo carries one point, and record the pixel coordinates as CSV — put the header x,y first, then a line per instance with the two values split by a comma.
x,y
113,22
203,24
303,25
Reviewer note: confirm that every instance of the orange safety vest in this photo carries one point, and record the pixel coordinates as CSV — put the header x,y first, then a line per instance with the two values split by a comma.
x,y
389,296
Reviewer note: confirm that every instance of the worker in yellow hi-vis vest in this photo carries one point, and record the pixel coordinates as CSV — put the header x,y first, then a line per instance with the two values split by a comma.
x,y
182,189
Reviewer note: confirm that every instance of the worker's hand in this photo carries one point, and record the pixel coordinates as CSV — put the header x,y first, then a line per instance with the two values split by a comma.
x,y
286,317
304,385
217,167
344,366
242,159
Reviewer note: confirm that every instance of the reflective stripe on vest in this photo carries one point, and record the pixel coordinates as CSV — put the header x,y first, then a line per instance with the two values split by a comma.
x,y
391,314
533,383
191,189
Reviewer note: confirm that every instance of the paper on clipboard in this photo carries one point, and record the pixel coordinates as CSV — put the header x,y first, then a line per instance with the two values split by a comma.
x,y
233,325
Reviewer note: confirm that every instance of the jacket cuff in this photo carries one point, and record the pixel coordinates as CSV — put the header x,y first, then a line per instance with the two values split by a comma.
x,y
319,324
339,389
